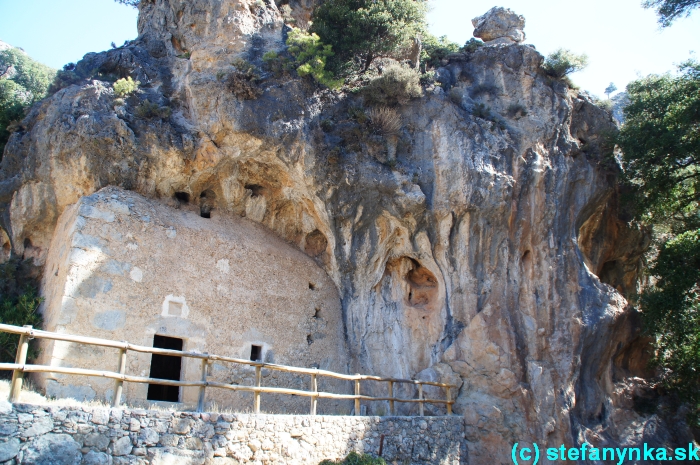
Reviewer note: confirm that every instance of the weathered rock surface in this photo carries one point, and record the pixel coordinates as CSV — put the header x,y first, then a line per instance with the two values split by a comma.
x,y
491,251
499,26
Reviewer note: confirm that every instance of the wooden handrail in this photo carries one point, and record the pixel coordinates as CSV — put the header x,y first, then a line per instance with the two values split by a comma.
x,y
20,367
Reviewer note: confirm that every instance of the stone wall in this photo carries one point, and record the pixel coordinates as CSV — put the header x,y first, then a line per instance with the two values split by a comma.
x,y
32,434
123,267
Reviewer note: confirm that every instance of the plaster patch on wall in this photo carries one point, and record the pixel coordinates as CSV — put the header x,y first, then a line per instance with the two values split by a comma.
x,y
136,274
175,306
223,266
171,233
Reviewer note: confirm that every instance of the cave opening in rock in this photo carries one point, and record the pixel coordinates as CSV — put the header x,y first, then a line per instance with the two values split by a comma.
x,y
317,313
309,339
312,286
207,200
165,367
256,189
255,353
182,197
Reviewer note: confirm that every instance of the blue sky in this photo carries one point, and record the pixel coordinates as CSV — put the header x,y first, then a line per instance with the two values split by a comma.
x,y
622,40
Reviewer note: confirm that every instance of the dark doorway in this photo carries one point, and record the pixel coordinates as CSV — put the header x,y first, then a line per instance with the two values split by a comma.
x,y
256,353
165,367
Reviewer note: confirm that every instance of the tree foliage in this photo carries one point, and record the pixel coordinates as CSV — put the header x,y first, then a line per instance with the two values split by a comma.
x,y
134,3
563,62
361,30
18,304
23,82
660,142
435,49
661,146
311,56
669,10
610,89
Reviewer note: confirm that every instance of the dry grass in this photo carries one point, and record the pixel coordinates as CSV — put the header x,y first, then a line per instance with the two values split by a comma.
x,y
385,120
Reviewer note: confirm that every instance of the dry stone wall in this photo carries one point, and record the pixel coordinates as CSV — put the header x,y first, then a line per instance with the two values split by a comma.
x,y
40,435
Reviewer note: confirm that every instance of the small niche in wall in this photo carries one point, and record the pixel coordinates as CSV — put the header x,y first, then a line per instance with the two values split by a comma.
x,y
312,286
175,306
256,353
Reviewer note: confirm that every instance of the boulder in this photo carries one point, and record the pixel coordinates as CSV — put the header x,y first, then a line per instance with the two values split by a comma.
x,y
499,25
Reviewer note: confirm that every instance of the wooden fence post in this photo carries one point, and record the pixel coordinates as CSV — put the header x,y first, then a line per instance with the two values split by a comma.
x,y
314,399
200,403
420,396
258,383
357,393
119,385
20,359
392,411
448,395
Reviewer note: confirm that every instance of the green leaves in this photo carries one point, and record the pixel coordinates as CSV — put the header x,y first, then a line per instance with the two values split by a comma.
x,y
661,146
563,62
23,82
660,142
669,10
361,30
311,56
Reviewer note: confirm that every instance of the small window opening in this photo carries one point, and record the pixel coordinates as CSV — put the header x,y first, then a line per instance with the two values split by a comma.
x,y
165,367
182,197
312,286
256,353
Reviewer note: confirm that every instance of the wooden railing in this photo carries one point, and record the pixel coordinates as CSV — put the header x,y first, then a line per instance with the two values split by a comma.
x,y
20,367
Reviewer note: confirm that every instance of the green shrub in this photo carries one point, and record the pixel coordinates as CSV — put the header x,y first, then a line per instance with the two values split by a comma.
x,y
563,62
27,84
278,64
358,114
482,111
361,30
385,120
18,305
435,49
311,55
516,110
427,78
125,87
482,89
472,45
243,81
148,110
396,86
354,458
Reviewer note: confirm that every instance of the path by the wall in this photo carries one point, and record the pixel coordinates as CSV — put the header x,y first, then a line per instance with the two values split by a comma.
x,y
42,435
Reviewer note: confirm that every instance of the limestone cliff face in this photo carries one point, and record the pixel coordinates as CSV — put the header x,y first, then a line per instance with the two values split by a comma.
x,y
488,253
